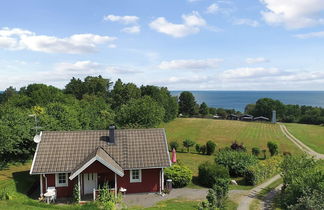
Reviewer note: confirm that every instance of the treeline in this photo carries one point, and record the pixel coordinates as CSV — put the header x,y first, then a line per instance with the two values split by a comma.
x,y
286,113
94,103
188,107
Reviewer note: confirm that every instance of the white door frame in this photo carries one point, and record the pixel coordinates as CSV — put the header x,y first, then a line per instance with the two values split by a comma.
x,y
85,176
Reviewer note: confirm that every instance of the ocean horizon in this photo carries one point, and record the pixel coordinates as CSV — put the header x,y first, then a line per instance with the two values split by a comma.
x,y
239,99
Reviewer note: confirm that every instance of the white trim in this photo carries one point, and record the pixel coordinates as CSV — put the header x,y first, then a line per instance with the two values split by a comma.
x,y
79,187
116,186
41,185
32,166
131,180
166,146
143,168
87,164
162,178
57,184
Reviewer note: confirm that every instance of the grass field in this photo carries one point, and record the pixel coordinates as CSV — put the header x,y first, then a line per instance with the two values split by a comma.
x,y
311,135
224,132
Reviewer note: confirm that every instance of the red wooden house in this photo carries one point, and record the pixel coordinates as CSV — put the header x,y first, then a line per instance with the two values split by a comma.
x,y
132,159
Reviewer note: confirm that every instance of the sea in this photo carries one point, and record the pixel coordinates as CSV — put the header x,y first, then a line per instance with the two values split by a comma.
x,y
239,99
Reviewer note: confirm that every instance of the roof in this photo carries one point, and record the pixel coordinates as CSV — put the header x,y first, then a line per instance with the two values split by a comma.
x,y
64,151
99,154
261,118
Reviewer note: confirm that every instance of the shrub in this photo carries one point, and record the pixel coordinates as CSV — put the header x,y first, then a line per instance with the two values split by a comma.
x,y
198,148
180,175
4,194
210,147
187,143
273,148
106,198
263,170
264,151
256,151
203,149
238,147
216,196
76,193
210,172
236,162
174,144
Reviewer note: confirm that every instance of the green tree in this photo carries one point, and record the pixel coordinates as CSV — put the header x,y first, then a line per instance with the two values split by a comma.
x,y
273,148
97,86
203,109
256,151
250,109
210,147
187,143
265,106
8,93
122,93
142,112
174,145
75,87
187,103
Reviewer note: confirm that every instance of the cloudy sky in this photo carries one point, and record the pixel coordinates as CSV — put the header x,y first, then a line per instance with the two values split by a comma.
x,y
181,44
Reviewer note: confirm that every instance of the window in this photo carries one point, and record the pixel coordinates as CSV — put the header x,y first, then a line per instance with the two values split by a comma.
x,y
61,180
135,176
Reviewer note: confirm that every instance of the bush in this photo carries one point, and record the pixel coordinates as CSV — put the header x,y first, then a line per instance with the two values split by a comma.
x,y
256,151
198,148
210,147
4,194
210,172
76,193
238,147
180,175
273,148
187,143
236,162
216,196
174,144
203,149
263,170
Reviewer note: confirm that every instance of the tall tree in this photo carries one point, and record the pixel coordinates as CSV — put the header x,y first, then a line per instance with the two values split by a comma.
x,y
187,103
122,93
203,109
75,87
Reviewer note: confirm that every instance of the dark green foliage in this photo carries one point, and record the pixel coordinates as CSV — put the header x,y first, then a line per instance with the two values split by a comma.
x,y
122,93
76,88
303,180
256,151
197,147
187,143
210,172
180,175
265,106
187,103
7,94
203,149
236,162
273,148
174,145
264,151
210,147
76,193
143,112
203,109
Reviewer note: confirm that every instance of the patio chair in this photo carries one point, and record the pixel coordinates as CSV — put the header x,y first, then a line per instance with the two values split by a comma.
x,y
50,194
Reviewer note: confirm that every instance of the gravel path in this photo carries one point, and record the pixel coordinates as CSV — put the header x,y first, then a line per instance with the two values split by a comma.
x,y
300,144
246,200
267,201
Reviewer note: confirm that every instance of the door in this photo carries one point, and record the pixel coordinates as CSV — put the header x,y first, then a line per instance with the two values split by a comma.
x,y
89,182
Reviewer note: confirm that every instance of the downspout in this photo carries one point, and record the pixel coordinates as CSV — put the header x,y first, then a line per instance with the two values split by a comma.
x,y
45,181
116,185
41,185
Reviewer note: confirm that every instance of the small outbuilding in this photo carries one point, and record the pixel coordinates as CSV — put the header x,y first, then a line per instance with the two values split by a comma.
x,y
232,117
261,119
246,117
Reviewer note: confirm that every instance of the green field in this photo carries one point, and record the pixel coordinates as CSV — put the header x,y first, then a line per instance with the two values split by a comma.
x,y
224,132
311,135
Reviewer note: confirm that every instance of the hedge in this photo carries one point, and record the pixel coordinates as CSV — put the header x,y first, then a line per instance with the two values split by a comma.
x,y
263,170
180,175
210,172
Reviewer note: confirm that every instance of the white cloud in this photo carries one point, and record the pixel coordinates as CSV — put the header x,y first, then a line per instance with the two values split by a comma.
x,y
122,19
293,14
181,80
319,34
191,64
246,72
191,25
18,39
256,60
245,21
132,30
213,8
112,46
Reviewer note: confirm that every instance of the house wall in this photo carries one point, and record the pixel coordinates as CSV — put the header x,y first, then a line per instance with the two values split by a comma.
x,y
60,191
150,181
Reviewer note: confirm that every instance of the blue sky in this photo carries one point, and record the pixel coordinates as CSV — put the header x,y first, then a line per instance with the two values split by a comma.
x,y
182,44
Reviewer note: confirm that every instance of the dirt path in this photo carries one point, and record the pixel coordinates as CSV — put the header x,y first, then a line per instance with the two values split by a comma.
x,y
267,201
300,144
246,200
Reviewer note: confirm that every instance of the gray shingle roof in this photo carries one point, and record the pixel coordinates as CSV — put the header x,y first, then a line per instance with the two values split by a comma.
x,y
64,151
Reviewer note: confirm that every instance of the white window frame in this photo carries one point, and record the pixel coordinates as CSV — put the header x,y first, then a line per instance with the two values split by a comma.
x,y
139,176
57,184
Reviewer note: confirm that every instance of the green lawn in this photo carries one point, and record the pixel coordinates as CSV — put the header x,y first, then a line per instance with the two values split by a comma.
x,y
311,135
224,132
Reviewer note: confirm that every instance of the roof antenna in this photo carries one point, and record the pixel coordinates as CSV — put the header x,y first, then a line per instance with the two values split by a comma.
x,y
37,137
